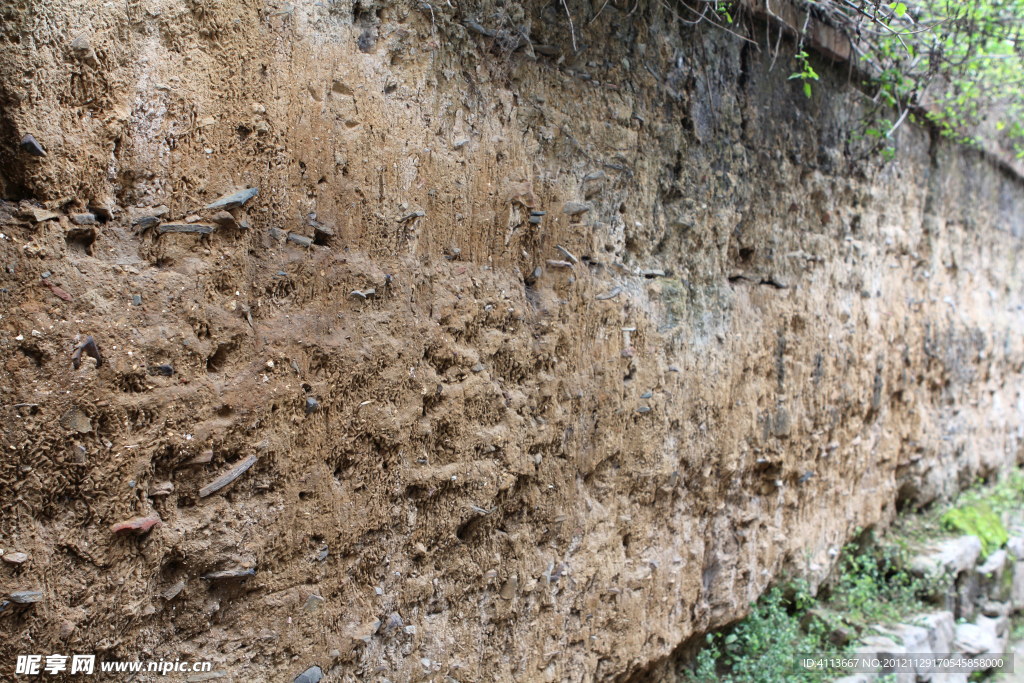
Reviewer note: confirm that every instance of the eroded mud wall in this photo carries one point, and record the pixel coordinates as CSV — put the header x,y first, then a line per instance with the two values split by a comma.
x,y
537,493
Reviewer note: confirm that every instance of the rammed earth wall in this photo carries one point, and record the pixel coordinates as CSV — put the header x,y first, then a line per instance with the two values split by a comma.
x,y
534,493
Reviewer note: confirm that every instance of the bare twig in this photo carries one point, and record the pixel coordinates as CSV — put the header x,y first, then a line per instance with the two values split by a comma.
x,y
572,30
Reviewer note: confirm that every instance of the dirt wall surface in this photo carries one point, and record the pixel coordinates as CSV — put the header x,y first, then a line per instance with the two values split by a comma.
x,y
507,461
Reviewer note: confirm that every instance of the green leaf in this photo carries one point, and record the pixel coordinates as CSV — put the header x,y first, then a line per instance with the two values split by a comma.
x,y
731,638
807,90
899,9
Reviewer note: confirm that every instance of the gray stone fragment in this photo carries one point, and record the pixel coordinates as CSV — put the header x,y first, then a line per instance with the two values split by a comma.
x,y
313,603
278,234
994,610
915,640
368,41
361,295
322,232
137,300
142,222
575,208
479,367
29,145
972,639
414,214
476,28
311,405
234,200
941,628
565,252
643,409
164,370
647,394
394,621
90,219
1017,589
26,597
83,48
300,240
322,554
609,295
311,675
653,272
535,220
225,479
948,557
461,143
197,228
230,574
174,590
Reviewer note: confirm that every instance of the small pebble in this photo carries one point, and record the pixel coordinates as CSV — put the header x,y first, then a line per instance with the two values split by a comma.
x,y
230,574
311,405
26,597
311,675
15,558
90,219
647,394
137,300
643,409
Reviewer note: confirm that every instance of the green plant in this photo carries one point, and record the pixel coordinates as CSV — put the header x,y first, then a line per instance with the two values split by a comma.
x,y
806,72
979,520
875,586
763,648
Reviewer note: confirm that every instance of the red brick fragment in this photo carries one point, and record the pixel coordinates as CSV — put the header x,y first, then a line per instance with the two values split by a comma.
x,y
138,525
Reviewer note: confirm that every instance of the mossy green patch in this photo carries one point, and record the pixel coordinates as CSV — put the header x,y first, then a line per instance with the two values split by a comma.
x,y
978,520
